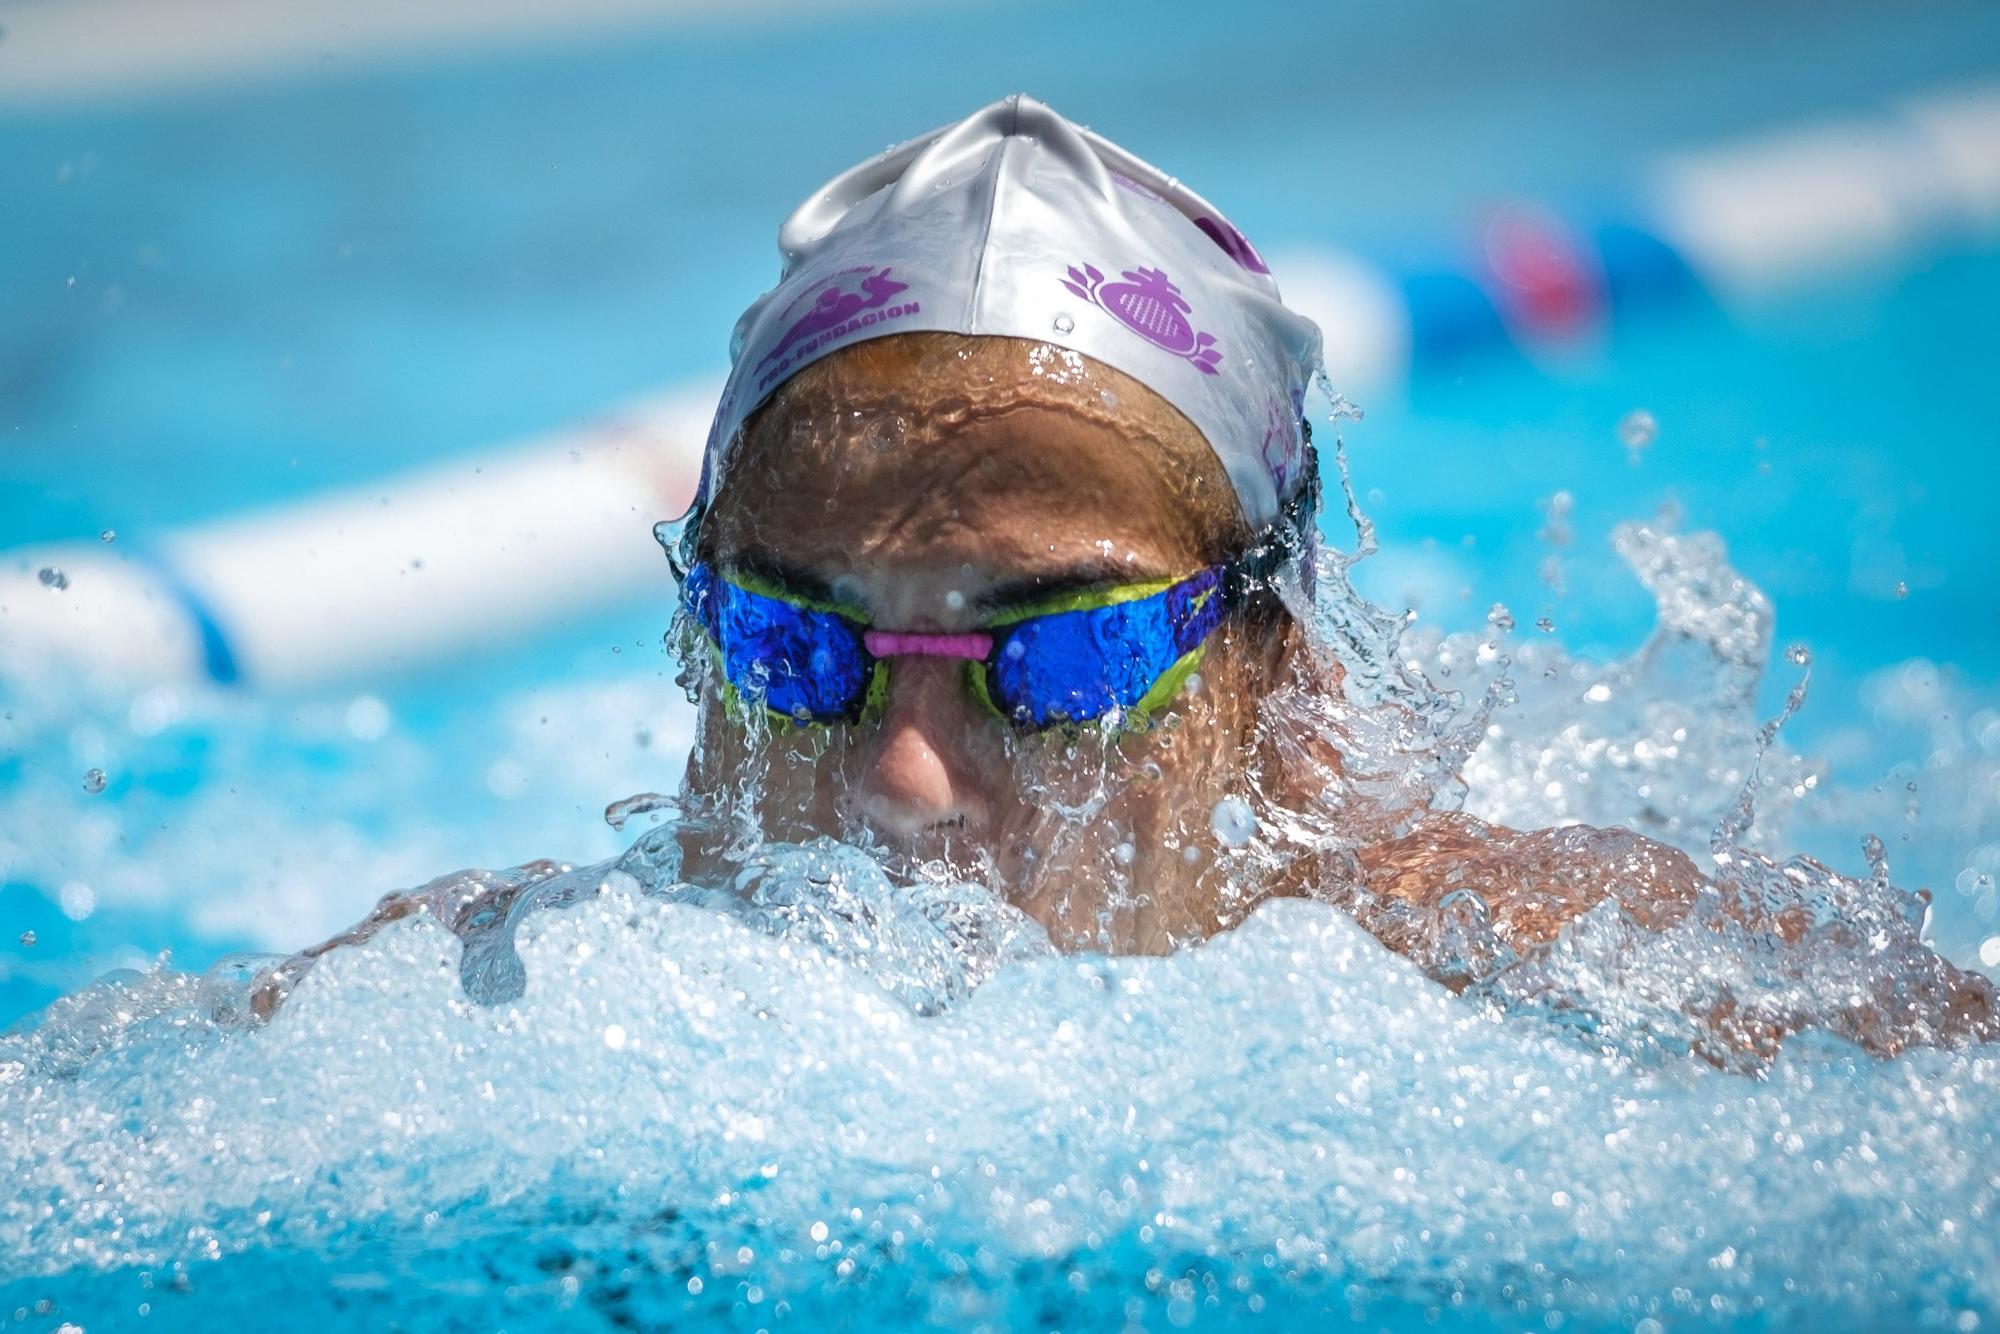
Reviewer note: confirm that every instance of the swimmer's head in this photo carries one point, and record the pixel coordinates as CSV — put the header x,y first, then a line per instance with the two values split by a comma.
x,y
937,484
1015,223
993,599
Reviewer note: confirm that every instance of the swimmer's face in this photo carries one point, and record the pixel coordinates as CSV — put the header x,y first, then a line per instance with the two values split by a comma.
x,y
934,481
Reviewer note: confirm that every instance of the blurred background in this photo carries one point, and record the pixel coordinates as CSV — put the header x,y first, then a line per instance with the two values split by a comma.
x,y
348,353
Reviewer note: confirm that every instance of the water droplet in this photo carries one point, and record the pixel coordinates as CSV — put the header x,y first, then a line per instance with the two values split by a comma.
x,y
1799,655
643,803
51,577
28,940
1989,949
77,900
367,718
614,1036
1233,822
93,781
954,600
1124,853
1500,618
1638,429
1339,406
108,535
1902,589
1064,324
884,433
1545,625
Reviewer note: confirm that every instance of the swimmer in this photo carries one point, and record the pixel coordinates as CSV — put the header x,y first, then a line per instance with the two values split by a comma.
x,y
1001,567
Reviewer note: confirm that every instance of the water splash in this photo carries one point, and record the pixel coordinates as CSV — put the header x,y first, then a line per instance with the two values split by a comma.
x,y
1637,429
621,1093
1289,1121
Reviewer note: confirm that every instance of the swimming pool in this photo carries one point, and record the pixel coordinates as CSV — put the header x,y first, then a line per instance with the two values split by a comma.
x,y
364,270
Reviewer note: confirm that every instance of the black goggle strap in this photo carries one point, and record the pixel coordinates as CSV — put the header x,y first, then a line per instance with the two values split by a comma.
x,y
1291,536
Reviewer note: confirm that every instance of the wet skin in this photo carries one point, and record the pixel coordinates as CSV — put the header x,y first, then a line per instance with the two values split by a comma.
x,y
932,481
931,497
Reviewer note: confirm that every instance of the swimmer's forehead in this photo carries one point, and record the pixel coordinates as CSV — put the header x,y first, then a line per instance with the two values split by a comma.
x,y
993,457
933,380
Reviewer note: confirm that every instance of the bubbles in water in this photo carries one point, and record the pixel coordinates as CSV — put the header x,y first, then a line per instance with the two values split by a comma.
x,y
1500,618
1637,429
108,535
1545,625
51,577
28,940
954,601
1233,822
93,781
1557,532
1989,951
1064,324
1902,589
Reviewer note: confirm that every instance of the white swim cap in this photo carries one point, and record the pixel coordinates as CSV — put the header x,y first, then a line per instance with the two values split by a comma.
x,y
1015,222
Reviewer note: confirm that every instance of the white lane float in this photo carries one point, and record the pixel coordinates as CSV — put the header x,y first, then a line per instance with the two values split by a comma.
x,y
448,559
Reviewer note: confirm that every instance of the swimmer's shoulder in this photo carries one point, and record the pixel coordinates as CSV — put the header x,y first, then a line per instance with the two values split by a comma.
x,y
1532,881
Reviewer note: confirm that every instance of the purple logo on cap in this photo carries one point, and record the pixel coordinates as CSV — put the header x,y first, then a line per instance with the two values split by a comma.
x,y
1234,243
836,311
1150,306
835,306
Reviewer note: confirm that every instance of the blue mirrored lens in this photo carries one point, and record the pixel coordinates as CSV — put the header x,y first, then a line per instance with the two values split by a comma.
x,y
801,662
1076,666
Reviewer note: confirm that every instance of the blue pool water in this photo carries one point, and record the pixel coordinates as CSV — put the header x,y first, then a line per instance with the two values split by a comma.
x,y
315,280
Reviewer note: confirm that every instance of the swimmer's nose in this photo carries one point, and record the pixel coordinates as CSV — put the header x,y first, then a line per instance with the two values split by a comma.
x,y
920,777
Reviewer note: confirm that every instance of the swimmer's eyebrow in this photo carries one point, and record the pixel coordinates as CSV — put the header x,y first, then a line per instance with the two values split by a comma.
x,y
1088,576
781,574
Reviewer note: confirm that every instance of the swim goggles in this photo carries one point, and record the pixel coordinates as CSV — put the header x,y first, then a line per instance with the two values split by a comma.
x,y
1077,658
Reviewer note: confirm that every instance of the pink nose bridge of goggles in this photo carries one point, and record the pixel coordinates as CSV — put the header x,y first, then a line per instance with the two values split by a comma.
x,y
891,644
